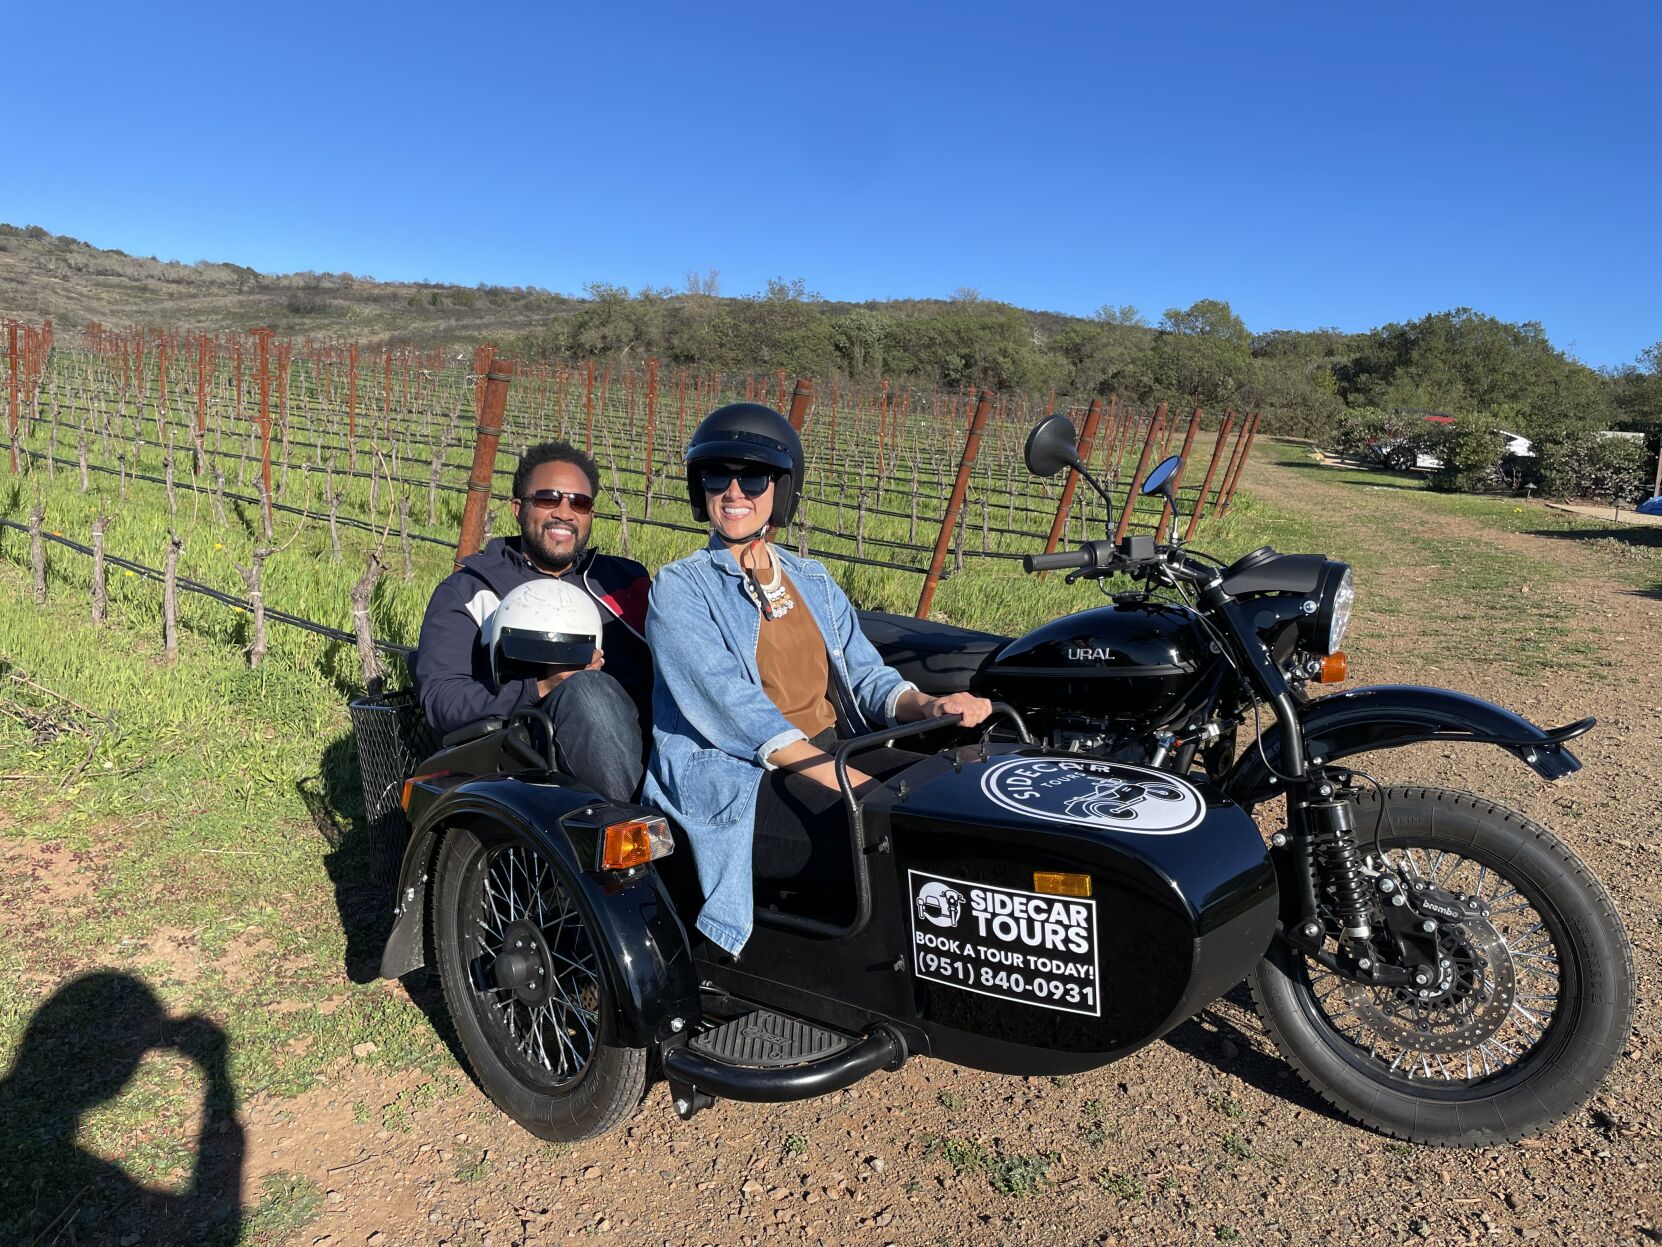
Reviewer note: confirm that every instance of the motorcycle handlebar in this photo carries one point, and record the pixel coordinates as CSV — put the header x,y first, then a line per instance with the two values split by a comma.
x,y
1060,560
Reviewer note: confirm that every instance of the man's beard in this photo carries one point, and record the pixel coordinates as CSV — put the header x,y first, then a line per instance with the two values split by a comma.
x,y
539,552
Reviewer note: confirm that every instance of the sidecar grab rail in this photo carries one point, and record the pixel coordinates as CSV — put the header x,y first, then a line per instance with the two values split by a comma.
x,y
857,826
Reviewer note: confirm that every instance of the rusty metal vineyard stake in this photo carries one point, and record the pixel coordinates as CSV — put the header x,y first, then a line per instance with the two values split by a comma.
x,y
1155,425
489,431
972,446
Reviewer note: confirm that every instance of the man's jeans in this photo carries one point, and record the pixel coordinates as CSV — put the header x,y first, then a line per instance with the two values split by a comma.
x,y
597,734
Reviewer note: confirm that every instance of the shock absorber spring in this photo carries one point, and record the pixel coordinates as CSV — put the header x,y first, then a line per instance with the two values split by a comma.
x,y
1341,874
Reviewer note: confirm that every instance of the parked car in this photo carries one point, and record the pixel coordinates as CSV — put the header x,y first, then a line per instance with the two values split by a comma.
x,y
1407,453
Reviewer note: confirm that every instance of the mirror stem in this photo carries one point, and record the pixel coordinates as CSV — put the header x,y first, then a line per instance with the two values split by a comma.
x,y
1079,467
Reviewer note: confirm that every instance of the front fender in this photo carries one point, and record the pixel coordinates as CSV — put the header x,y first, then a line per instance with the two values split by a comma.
x,y
643,945
1385,716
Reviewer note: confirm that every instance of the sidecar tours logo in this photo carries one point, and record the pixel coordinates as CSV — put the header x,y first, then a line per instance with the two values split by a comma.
x,y
939,904
1095,794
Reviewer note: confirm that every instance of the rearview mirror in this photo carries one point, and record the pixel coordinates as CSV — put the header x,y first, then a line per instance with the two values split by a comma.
x,y
1050,447
1159,474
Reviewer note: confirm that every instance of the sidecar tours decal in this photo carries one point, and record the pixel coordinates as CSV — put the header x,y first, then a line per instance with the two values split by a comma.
x,y
1095,794
1001,942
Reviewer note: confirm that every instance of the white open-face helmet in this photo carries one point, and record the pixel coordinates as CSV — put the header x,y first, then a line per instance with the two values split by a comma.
x,y
541,624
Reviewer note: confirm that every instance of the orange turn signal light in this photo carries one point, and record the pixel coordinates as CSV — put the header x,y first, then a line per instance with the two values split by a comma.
x,y
635,842
1334,668
409,787
1058,884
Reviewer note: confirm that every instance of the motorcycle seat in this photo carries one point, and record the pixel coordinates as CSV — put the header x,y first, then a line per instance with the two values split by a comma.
x,y
939,658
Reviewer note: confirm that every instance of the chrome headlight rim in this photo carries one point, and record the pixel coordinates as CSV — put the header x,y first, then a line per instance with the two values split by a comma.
x,y
1337,602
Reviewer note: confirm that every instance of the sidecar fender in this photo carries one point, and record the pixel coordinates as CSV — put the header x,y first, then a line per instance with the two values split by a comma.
x,y
643,946
1385,716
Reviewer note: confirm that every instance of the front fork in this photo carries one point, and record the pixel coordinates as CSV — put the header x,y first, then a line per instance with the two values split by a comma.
x,y
1331,907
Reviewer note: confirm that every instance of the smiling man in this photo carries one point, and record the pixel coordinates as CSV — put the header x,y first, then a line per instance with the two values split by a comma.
x,y
598,711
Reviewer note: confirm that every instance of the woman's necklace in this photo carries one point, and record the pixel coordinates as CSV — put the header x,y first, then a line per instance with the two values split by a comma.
x,y
773,598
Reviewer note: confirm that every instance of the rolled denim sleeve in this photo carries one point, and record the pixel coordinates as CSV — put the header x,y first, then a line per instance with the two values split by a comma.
x,y
877,688
707,681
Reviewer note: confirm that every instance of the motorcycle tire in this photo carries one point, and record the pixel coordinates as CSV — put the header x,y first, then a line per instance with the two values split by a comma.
x,y
520,967
1553,927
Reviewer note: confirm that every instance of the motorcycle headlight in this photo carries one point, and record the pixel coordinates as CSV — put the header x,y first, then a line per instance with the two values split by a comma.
x,y
1337,598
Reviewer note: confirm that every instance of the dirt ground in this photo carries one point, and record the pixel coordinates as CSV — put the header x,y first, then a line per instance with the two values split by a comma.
x,y
1204,1137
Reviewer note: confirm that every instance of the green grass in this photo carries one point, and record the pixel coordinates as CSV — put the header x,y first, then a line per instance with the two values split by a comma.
x,y
288,1202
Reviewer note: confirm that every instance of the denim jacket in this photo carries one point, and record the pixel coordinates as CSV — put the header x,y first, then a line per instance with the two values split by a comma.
x,y
713,726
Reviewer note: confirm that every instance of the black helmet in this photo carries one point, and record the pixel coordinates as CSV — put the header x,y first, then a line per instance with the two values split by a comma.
x,y
747,433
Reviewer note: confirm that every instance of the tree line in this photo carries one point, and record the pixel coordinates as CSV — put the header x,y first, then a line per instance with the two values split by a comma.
x,y
1458,362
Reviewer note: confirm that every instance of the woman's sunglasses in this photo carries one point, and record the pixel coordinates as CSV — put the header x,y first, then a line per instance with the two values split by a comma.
x,y
751,484
548,499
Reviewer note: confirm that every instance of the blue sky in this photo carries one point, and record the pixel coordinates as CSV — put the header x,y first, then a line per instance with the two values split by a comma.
x,y
1334,164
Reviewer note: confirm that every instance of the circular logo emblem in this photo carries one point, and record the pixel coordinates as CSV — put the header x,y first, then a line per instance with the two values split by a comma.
x,y
1087,793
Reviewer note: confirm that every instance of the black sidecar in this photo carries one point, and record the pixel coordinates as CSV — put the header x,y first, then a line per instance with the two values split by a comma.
x,y
1014,910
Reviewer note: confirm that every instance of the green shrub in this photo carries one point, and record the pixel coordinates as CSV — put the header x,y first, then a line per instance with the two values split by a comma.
x,y
1585,465
1471,455
1358,426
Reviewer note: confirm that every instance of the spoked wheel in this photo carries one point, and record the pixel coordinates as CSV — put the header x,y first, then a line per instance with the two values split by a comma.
x,y
1528,989
524,984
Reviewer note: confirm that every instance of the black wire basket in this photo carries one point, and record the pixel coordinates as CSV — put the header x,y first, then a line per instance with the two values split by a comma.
x,y
393,738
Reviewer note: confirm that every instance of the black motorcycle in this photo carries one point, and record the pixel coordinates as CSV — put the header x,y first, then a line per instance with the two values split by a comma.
x,y
1444,968
1056,893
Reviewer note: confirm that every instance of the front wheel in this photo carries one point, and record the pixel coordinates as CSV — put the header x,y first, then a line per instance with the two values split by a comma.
x,y
520,966
1532,1000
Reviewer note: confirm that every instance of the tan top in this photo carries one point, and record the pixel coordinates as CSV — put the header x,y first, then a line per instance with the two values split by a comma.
x,y
796,673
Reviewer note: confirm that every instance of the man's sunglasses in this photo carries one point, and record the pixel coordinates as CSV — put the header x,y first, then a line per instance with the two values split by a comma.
x,y
548,499
751,484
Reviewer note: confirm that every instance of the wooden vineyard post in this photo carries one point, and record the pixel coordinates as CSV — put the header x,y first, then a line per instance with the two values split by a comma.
x,y
1154,427
201,403
37,550
170,598
368,659
489,431
11,348
263,337
100,586
1087,442
651,429
1240,464
1211,470
1166,513
949,522
352,407
589,408
1229,472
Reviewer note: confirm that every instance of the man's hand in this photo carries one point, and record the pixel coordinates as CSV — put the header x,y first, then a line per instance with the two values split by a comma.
x,y
549,683
914,706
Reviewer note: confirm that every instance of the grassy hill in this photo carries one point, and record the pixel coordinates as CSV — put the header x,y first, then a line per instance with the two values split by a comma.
x,y
44,274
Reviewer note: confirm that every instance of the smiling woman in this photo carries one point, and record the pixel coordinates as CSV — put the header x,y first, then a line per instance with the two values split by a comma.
x,y
761,668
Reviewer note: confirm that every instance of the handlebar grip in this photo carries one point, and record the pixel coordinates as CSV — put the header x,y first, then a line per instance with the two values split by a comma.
x,y
1057,561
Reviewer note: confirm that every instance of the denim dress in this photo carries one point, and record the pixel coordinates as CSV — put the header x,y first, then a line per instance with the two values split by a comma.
x,y
713,726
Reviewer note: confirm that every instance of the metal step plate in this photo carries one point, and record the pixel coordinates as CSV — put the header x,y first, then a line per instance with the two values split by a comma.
x,y
768,1040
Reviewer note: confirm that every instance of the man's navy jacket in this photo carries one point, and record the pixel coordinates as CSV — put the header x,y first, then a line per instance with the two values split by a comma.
x,y
453,667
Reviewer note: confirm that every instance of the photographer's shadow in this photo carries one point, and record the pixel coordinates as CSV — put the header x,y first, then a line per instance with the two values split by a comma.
x,y
80,1050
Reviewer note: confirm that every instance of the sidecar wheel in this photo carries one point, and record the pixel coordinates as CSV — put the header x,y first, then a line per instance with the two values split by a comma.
x,y
1536,1008
522,977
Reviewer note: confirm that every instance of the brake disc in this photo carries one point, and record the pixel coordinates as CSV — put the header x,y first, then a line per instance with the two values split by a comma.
x,y
1471,1000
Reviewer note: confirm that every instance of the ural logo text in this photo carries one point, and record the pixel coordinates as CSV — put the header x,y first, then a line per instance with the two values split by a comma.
x,y
1089,653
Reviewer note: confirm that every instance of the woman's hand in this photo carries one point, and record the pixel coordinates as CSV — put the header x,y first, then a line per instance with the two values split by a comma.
x,y
914,705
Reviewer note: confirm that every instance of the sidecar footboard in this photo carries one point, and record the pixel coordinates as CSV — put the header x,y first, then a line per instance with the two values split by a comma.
x,y
767,1057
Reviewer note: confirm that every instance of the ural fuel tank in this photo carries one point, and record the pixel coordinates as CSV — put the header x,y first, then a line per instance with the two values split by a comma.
x,y
1063,911
1137,663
